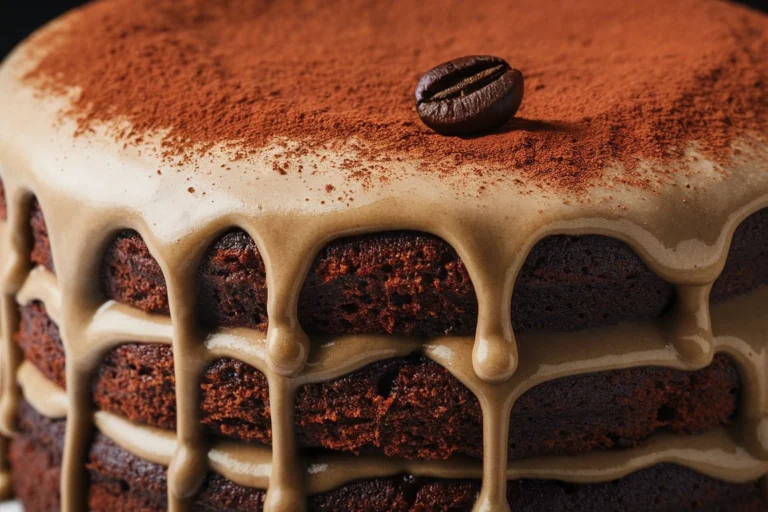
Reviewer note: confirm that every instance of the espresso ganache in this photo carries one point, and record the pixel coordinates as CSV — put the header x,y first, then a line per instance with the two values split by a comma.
x,y
243,268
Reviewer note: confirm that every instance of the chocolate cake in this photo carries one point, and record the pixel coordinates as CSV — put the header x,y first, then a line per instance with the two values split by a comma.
x,y
240,273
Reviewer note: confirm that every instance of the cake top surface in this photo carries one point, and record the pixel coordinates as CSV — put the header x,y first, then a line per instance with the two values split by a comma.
x,y
607,83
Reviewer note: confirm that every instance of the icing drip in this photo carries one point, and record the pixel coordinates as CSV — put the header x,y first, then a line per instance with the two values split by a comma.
x,y
286,487
287,344
492,232
692,330
189,463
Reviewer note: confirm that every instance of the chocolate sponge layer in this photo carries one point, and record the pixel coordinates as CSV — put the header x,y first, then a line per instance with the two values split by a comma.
x,y
121,482
415,284
409,407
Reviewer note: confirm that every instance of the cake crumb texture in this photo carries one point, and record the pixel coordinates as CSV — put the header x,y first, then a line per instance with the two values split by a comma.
x,y
406,407
122,482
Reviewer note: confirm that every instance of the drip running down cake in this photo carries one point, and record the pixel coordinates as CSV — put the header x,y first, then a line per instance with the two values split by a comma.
x,y
240,273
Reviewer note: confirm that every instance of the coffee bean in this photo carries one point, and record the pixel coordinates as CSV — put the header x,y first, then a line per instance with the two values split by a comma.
x,y
469,95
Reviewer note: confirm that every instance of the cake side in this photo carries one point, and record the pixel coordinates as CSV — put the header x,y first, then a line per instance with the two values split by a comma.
x,y
48,328
129,365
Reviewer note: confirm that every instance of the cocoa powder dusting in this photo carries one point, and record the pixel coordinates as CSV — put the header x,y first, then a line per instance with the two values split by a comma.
x,y
606,81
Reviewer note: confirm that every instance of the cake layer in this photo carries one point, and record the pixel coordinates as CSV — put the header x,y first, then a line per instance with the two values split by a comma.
x,y
415,284
120,481
404,407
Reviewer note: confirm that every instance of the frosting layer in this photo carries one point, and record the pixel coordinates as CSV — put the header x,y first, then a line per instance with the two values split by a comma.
x,y
607,83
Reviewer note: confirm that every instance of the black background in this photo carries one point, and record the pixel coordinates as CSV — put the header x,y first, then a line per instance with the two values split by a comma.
x,y
18,18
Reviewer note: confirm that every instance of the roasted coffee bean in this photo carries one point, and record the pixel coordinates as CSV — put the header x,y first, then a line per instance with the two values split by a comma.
x,y
469,95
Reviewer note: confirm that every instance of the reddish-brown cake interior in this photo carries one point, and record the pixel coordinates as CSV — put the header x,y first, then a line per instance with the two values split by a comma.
x,y
410,284
121,482
391,406
415,284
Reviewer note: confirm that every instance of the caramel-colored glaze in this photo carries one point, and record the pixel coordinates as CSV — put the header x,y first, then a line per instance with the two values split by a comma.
x,y
91,187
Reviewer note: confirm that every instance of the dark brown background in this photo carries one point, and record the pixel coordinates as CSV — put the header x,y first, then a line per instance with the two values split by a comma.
x,y
18,18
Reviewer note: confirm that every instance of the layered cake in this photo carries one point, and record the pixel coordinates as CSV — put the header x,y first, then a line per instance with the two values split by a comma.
x,y
252,260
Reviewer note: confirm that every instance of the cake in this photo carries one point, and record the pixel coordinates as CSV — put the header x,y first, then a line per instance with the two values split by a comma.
x,y
239,273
